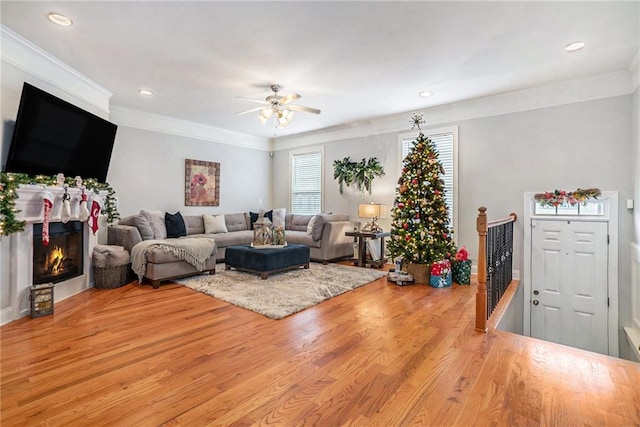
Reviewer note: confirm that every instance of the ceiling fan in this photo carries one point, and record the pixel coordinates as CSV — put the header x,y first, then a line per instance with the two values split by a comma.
x,y
279,107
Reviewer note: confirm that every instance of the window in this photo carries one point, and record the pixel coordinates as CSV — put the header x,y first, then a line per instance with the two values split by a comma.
x,y
587,208
446,142
306,182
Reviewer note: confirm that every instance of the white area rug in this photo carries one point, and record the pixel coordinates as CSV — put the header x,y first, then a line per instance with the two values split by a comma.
x,y
285,293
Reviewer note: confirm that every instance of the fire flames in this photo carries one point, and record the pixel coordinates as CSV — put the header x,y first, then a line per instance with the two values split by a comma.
x,y
56,256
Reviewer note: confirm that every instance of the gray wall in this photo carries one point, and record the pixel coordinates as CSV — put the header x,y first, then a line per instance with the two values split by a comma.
x,y
147,172
584,144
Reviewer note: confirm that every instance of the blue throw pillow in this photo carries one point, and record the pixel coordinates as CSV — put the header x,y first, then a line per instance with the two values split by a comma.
x,y
175,225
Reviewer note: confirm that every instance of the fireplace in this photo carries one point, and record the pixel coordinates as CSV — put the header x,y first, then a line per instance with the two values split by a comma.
x,y
62,258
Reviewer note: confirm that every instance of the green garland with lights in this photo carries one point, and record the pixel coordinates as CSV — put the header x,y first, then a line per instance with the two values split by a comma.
x,y
9,183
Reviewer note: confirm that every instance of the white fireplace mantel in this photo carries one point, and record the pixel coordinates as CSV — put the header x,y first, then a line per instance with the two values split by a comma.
x,y
31,207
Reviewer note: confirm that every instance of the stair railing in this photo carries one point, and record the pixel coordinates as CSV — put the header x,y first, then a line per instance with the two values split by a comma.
x,y
495,262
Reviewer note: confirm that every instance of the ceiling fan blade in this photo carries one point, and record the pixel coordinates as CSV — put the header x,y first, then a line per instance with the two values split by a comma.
x,y
304,109
259,101
288,98
249,111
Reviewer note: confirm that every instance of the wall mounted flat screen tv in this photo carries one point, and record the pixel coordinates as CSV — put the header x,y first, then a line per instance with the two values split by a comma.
x,y
53,136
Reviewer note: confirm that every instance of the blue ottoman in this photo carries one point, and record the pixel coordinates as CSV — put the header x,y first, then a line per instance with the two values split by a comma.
x,y
267,261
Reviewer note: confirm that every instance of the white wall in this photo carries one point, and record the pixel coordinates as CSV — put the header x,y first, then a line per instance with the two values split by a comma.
x,y
583,144
147,171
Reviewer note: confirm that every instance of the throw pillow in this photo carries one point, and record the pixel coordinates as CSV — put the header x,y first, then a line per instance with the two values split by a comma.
x,y
312,221
156,221
175,225
254,216
214,224
141,223
278,217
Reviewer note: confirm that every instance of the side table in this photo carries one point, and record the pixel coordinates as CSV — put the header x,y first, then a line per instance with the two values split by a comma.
x,y
362,238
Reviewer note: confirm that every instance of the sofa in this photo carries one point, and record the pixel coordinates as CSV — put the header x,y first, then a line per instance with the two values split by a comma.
x,y
324,234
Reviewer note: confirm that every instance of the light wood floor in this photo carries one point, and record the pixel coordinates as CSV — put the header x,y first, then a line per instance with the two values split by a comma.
x,y
380,355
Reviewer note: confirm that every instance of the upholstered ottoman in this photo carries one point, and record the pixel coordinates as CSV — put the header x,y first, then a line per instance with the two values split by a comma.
x,y
267,261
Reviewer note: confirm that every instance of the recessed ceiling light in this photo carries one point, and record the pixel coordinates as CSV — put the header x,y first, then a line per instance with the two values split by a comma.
x,y
572,47
145,92
426,93
59,19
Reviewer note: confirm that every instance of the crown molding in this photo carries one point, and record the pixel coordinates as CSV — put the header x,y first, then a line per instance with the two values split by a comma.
x,y
566,92
24,55
128,117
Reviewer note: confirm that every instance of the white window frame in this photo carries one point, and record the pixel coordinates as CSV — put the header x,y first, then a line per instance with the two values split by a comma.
x,y
433,132
301,151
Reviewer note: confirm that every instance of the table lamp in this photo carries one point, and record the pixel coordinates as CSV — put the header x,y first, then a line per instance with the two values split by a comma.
x,y
373,211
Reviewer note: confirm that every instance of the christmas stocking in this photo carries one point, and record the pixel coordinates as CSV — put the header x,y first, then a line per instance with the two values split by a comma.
x,y
47,199
96,205
65,216
83,211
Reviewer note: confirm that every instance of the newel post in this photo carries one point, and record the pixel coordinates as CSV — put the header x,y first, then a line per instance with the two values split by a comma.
x,y
481,294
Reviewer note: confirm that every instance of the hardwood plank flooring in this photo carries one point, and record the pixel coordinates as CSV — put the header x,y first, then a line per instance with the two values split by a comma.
x,y
380,355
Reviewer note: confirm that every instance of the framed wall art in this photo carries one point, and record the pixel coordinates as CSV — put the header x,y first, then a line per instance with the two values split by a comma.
x,y
202,183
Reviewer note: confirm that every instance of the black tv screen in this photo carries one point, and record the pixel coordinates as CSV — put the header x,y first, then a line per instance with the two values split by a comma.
x,y
53,136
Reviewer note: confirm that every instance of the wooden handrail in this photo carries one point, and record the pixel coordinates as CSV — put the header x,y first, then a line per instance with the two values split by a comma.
x,y
496,222
481,294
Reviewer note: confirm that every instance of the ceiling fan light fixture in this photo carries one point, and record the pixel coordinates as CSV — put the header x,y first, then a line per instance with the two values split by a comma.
x,y
264,115
285,117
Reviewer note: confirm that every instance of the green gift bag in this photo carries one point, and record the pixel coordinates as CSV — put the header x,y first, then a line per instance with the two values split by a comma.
x,y
462,272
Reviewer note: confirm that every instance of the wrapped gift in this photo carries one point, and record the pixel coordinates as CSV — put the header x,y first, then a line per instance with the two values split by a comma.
x,y
440,274
462,272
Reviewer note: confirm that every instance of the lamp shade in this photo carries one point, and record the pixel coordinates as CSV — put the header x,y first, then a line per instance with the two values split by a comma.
x,y
372,210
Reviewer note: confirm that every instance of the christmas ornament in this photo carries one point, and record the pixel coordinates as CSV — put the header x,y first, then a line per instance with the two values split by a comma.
x,y
47,200
94,219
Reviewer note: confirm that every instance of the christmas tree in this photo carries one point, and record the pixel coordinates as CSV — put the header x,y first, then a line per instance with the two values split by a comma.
x,y
420,226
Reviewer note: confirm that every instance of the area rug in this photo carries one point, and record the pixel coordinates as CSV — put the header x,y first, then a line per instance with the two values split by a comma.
x,y
282,294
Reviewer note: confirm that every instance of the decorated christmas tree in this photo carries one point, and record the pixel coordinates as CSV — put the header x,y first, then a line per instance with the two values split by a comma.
x,y
420,231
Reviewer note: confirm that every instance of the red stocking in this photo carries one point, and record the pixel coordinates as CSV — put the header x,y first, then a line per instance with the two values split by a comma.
x,y
48,204
95,213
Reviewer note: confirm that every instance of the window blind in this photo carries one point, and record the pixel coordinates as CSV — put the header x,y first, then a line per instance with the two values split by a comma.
x,y
306,183
444,146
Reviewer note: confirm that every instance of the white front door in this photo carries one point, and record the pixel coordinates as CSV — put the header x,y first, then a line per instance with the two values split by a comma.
x,y
569,283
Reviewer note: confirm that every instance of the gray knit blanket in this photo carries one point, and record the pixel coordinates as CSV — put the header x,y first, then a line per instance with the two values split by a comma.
x,y
193,251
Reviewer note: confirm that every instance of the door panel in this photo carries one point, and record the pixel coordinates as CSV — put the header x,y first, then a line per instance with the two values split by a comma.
x,y
569,273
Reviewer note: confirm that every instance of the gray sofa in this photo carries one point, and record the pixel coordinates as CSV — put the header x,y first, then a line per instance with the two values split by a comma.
x,y
325,238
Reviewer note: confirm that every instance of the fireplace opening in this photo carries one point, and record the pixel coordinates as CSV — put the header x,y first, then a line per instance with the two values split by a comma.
x,y
62,258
